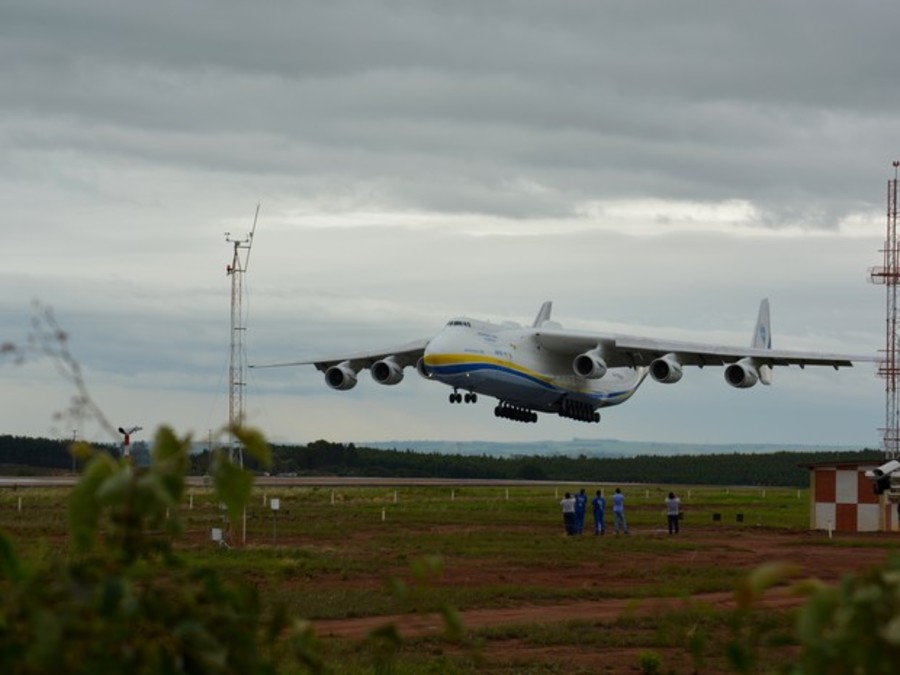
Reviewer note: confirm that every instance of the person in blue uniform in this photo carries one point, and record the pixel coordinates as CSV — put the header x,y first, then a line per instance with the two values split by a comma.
x,y
598,504
619,524
580,510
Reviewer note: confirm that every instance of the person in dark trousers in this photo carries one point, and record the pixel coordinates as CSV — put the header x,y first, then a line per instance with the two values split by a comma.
x,y
673,512
619,524
598,504
580,510
568,509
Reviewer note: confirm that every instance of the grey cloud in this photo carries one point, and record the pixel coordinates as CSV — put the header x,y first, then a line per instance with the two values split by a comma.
x,y
133,136
447,107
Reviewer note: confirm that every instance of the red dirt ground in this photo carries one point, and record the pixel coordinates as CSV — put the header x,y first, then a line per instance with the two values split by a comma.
x,y
736,548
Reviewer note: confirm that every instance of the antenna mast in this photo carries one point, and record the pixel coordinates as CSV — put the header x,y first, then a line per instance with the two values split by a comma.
x,y
889,368
237,366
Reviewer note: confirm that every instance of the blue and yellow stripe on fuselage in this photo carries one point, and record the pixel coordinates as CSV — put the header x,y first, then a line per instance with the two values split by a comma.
x,y
515,383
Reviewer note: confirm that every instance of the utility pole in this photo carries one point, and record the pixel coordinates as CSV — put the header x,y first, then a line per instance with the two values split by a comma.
x,y
237,363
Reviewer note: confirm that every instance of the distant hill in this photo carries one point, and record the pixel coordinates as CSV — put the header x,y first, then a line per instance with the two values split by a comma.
x,y
597,448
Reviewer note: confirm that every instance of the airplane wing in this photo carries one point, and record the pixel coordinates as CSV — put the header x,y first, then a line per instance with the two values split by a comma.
x,y
624,350
404,355
692,354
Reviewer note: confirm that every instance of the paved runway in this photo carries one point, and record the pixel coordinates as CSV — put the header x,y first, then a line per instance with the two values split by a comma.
x,y
299,481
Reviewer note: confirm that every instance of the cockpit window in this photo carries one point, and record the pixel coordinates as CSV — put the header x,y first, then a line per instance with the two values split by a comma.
x,y
459,322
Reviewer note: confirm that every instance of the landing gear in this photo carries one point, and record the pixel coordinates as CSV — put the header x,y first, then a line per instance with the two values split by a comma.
x,y
515,413
578,410
470,397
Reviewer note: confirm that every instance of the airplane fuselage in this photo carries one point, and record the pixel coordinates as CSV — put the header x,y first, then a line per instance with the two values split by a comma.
x,y
508,363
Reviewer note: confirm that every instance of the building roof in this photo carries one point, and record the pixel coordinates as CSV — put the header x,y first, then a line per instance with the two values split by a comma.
x,y
841,465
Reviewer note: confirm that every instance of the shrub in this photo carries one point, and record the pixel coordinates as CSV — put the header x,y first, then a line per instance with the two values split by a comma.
x,y
123,601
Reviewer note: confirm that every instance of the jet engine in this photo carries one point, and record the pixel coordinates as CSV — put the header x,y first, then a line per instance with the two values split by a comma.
x,y
341,376
387,371
742,374
666,369
589,365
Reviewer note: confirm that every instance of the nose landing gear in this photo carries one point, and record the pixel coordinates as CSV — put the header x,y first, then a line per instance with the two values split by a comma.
x,y
470,397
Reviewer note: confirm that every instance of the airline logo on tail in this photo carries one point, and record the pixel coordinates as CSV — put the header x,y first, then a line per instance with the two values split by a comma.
x,y
762,336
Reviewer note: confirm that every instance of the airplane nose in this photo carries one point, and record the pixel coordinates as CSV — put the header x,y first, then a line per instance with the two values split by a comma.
x,y
423,369
428,356
434,346
434,353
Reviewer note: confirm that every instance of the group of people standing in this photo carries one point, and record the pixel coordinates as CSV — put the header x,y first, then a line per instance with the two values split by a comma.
x,y
575,508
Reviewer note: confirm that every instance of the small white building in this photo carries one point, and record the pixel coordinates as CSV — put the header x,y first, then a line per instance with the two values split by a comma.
x,y
844,500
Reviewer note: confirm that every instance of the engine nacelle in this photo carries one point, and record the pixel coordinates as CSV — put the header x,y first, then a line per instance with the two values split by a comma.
x,y
666,369
589,365
387,371
341,376
742,374
422,369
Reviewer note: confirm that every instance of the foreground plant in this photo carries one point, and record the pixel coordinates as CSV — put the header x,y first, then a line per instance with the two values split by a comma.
x,y
122,601
853,627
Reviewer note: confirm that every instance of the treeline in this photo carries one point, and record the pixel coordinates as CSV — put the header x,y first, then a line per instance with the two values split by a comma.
x,y
35,453
23,455
776,469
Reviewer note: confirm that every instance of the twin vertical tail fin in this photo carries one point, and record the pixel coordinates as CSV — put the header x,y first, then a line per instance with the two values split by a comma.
x,y
762,339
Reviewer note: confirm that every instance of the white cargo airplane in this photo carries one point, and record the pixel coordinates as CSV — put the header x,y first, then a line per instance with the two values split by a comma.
x,y
543,368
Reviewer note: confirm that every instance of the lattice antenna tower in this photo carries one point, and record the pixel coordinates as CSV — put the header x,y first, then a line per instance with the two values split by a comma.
x,y
237,366
889,367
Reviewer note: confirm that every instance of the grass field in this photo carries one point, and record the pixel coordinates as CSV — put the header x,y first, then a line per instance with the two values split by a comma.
x,y
529,599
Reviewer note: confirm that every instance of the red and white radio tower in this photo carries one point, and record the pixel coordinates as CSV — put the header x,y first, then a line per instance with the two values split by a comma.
x,y
889,368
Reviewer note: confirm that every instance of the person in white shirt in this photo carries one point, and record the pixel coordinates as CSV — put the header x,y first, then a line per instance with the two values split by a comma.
x,y
673,512
568,509
619,524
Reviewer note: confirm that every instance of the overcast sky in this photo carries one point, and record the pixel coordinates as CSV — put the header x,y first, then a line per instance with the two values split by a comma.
x,y
653,168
